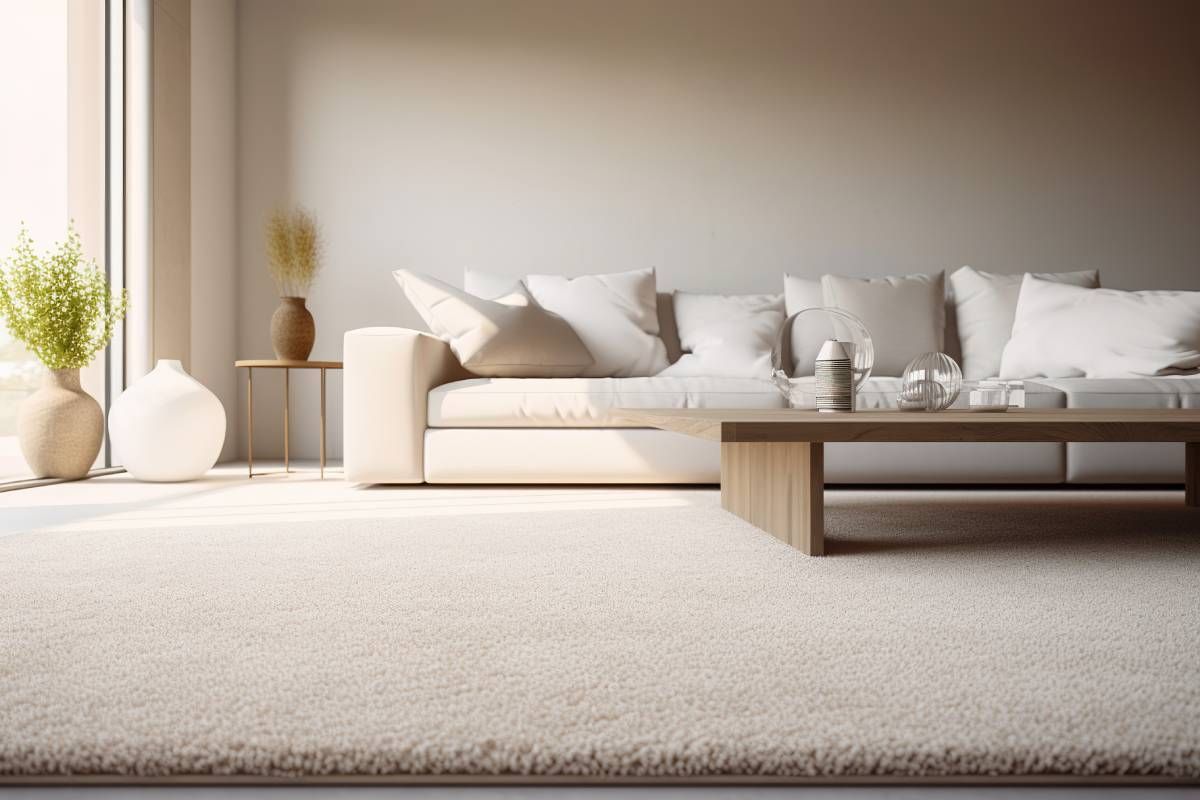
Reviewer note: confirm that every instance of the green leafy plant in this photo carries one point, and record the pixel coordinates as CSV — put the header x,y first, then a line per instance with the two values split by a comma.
x,y
57,304
293,251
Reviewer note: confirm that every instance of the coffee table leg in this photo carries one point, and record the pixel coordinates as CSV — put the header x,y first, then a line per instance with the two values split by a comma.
x,y
1191,478
778,486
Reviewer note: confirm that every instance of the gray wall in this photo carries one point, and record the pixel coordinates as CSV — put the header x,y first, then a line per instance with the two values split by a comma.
x,y
722,142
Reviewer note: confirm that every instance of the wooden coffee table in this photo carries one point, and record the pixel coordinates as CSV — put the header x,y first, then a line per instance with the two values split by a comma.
x,y
773,461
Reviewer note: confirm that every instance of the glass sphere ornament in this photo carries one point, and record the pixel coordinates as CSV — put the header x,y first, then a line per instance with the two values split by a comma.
x,y
794,359
931,382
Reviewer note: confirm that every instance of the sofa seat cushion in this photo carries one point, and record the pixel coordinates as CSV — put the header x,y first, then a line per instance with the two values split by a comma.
x,y
883,393
584,402
1182,391
1126,462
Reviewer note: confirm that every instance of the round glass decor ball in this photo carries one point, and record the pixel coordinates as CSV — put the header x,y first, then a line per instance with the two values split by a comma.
x,y
793,361
932,382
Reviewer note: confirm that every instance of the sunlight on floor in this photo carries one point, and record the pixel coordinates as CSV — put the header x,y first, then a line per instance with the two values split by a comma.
x,y
225,495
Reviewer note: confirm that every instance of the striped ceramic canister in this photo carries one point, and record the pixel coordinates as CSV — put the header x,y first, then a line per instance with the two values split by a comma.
x,y
834,377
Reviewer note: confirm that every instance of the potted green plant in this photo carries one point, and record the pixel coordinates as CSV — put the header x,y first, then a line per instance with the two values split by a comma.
x,y
293,257
61,307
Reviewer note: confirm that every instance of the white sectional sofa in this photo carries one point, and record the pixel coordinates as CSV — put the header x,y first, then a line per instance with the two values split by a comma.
x,y
413,414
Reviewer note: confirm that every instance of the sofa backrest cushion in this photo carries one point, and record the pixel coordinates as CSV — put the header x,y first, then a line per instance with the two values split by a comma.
x,y
905,314
803,340
668,331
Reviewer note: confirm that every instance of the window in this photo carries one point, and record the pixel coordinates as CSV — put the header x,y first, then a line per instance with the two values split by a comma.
x,y
57,151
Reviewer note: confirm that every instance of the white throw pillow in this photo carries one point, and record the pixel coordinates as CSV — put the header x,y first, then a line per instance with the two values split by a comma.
x,y
985,304
615,315
726,336
511,337
906,314
1064,331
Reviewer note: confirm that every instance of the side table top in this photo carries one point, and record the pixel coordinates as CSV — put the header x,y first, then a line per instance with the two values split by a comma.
x,y
274,363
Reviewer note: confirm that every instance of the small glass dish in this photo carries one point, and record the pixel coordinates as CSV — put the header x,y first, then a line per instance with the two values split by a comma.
x,y
989,396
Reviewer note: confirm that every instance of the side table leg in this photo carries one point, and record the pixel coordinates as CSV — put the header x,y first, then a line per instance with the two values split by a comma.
x,y
778,486
322,423
1191,496
250,422
287,401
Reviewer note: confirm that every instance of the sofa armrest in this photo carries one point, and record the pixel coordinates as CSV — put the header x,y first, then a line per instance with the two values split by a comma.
x,y
388,375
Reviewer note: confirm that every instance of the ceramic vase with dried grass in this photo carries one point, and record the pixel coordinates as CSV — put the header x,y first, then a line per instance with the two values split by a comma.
x,y
294,257
293,330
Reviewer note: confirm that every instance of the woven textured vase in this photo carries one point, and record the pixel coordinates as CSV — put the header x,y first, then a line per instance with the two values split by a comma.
x,y
60,427
293,330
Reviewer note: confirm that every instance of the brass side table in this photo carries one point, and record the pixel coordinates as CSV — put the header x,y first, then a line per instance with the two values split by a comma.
x,y
287,367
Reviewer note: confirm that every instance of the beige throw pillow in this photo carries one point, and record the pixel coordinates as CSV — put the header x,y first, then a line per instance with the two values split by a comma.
x,y
509,337
905,314
615,315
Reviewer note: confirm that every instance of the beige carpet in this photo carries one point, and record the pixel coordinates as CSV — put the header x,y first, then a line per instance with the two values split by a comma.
x,y
947,634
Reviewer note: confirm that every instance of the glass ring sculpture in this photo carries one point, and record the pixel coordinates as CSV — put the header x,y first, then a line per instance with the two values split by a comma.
x,y
800,338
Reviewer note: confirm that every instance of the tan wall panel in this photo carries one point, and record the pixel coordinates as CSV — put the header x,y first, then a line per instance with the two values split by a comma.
x,y
171,182
214,206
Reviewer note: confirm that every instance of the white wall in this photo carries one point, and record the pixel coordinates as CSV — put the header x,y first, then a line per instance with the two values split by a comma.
x,y
723,143
214,291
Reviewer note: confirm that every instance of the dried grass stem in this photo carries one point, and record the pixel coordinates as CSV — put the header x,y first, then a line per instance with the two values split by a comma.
x,y
293,251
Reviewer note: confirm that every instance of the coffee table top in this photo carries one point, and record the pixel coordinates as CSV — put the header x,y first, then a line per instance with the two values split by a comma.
x,y
1014,425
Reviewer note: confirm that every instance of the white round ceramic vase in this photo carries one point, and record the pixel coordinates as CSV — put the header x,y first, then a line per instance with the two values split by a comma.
x,y
167,426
